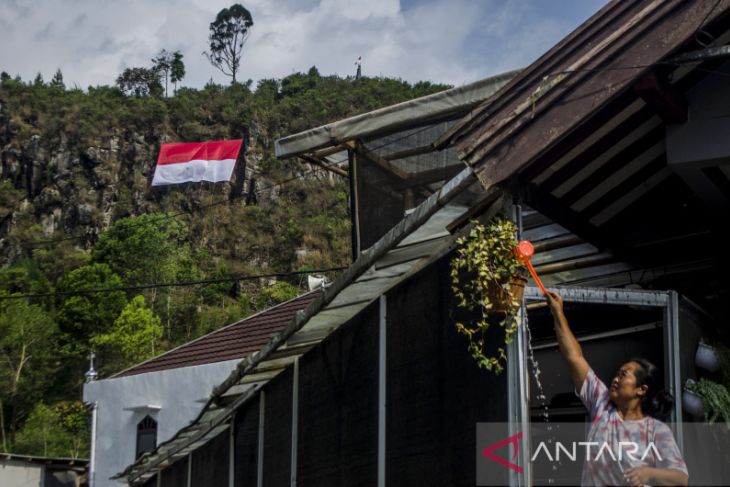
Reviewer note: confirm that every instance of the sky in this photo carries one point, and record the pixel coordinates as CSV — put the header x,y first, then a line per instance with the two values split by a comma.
x,y
445,41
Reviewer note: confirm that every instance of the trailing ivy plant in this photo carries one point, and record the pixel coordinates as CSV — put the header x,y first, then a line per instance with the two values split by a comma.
x,y
482,271
715,399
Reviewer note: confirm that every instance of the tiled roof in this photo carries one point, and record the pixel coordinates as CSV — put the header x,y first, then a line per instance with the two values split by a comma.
x,y
234,341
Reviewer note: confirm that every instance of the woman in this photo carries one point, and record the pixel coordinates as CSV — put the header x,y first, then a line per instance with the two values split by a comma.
x,y
625,412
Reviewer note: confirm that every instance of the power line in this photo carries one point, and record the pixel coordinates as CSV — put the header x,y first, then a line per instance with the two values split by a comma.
x,y
168,284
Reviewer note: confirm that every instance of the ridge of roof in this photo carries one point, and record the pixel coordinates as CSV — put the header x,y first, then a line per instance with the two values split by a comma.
x,y
436,106
591,67
141,368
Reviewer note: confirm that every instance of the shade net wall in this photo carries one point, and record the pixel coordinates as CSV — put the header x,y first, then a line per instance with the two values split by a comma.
x,y
338,413
381,201
277,430
176,475
410,139
246,445
435,392
383,197
210,463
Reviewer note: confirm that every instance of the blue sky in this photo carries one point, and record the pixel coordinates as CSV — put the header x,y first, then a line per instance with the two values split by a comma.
x,y
448,41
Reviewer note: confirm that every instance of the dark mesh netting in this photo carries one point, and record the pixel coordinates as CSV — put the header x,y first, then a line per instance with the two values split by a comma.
x,y
383,196
176,475
435,392
338,413
246,444
381,201
210,463
277,430
398,142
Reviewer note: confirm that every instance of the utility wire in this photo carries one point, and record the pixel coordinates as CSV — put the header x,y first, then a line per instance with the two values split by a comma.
x,y
168,284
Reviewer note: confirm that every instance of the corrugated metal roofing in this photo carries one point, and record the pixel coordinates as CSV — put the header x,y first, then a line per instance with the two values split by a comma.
x,y
234,341
412,113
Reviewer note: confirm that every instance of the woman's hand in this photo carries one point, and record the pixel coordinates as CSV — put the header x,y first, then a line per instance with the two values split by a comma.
x,y
555,301
639,476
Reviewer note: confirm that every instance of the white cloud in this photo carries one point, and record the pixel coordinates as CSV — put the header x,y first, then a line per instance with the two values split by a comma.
x,y
452,41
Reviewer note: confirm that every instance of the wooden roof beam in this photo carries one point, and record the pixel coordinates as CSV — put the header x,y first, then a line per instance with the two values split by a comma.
x,y
323,165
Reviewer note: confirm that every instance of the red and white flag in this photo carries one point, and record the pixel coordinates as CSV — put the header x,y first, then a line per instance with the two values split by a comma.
x,y
199,161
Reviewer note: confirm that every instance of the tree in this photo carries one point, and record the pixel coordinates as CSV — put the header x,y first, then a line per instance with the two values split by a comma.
x,y
81,316
169,63
27,345
60,430
136,334
147,249
140,82
38,80
177,69
228,33
57,80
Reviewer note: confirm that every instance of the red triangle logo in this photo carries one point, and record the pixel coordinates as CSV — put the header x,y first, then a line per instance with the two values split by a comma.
x,y
514,441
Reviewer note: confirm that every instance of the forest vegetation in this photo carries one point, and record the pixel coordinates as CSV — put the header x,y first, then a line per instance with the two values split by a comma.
x,y
77,215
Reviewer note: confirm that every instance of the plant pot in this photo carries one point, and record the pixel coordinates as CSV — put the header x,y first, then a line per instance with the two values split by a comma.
x,y
500,299
707,357
691,401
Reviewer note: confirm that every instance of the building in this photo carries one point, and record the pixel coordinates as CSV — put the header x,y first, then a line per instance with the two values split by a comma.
x,y
33,471
145,405
607,153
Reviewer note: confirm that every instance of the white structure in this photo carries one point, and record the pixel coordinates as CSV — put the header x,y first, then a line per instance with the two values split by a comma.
x,y
31,471
171,397
171,389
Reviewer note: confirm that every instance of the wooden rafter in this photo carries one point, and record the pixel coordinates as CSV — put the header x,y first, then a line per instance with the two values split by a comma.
x,y
330,167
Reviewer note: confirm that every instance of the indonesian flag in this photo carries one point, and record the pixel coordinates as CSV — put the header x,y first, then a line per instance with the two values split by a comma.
x,y
199,161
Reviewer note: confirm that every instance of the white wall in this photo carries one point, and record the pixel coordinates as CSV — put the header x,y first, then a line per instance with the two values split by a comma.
x,y
20,474
178,392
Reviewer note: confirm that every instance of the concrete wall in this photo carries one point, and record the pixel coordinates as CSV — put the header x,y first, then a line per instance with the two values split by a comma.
x,y
17,474
180,393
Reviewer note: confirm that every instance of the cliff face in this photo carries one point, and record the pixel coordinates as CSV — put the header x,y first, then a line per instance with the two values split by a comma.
x,y
74,162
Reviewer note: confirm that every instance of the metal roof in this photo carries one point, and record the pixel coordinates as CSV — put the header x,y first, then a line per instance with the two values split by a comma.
x,y
233,341
447,104
581,136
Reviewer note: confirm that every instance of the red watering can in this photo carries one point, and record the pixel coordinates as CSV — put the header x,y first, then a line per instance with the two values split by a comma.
x,y
525,250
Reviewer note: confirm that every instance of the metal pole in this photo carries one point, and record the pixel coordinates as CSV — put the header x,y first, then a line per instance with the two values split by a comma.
x,y
190,470
673,373
382,363
354,204
92,454
231,451
260,463
294,422
518,393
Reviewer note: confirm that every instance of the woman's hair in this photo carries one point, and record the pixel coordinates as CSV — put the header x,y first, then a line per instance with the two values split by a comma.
x,y
657,403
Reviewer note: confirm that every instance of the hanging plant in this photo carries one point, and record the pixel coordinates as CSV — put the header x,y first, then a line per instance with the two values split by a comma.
x,y
488,280
715,398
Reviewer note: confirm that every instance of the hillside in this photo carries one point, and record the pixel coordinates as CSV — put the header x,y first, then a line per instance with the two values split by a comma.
x,y
77,213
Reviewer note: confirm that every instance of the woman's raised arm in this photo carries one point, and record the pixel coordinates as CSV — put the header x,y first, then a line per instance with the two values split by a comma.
x,y
569,346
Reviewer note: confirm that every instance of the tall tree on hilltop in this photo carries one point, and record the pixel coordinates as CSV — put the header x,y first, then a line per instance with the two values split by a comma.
x,y
162,64
177,69
170,64
228,33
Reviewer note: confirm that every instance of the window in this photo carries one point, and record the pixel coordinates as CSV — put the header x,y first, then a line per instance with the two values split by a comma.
x,y
146,435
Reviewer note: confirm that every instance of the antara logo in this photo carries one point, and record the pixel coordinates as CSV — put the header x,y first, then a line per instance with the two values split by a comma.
x,y
514,440
626,449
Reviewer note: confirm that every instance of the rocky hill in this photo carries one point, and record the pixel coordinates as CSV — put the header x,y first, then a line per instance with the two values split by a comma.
x,y
77,213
